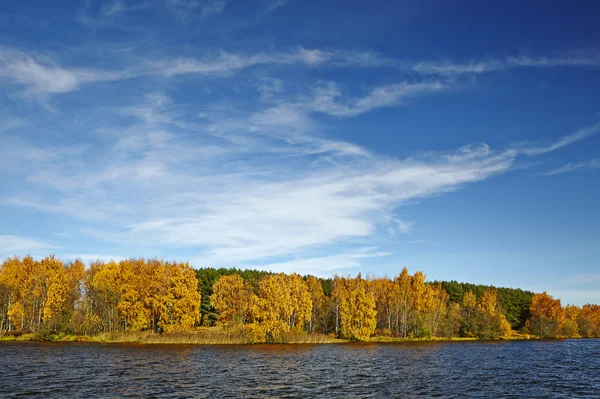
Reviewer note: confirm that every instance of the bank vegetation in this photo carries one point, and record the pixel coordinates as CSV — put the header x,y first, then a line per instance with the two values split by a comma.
x,y
153,301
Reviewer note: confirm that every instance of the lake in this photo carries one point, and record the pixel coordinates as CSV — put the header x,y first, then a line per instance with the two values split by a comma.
x,y
514,369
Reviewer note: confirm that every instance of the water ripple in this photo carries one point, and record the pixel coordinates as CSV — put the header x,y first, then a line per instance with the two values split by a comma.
x,y
523,369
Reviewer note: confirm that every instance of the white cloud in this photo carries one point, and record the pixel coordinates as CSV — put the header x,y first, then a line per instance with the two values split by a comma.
x,y
583,278
323,266
11,245
11,123
88,258
275,4
227,62
570,167
328,99
447,68
119,7
185,9
242,187
269,88
397,226
42,75
563,141
114,8
235,210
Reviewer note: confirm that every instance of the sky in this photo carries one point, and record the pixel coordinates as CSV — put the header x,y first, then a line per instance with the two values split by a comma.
x,y
318,137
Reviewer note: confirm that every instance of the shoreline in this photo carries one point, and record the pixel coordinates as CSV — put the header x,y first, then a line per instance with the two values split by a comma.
x,y
194,339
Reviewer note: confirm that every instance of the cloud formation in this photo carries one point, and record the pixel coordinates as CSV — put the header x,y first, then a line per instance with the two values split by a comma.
x,y
185,9
577,59
239,179
244,187
570,167
12,244
41,75
564,141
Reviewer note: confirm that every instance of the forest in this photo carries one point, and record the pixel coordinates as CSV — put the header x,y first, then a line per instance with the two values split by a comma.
x,y
47,297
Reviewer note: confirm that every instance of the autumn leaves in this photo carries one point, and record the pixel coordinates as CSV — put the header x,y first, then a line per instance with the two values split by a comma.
x,y
405,307
136,295
37,295
132,295
283,303
549,319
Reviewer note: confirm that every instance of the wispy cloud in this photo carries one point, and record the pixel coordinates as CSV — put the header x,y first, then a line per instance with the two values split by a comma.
x,y
114,8
562,142
212,195
579,59
584,278
397,226
329,99
272,5
17,245
228,62
119,7
323,266
87,258
11,123
185,9
570,167
239,187
41,75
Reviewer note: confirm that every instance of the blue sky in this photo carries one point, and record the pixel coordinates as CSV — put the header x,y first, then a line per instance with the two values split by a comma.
x,y
317,137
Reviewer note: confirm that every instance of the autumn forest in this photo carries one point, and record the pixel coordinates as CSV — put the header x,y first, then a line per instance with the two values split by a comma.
x,y
45,298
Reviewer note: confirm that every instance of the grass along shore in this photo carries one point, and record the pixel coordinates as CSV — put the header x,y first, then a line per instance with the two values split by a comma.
x,y
199,336
221,336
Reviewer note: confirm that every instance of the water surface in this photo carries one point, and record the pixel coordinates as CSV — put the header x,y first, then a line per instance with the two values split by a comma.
x,y
520,369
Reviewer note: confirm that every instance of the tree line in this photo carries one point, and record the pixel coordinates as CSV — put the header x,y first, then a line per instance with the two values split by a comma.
x,y
48,296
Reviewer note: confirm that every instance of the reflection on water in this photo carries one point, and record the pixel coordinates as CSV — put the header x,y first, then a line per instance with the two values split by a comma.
x,y
527,369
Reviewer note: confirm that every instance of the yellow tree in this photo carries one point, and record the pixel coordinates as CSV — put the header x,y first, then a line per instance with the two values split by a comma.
x,y
453,319
569,327
318,299
4,302
57,289
588,321
12,279
32,292
385,301
547,314
417,300
231,297
338,294
469,304
275,307
284,302
403,302
300,300
435,308
182,299
357,311
489,302
490,306
104,284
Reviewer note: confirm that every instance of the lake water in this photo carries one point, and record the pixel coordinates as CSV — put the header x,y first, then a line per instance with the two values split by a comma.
x,y
520,369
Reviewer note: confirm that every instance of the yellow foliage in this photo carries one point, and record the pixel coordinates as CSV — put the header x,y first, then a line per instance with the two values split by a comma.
x,y
469,300
283,302
357,310
489,301
231,297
